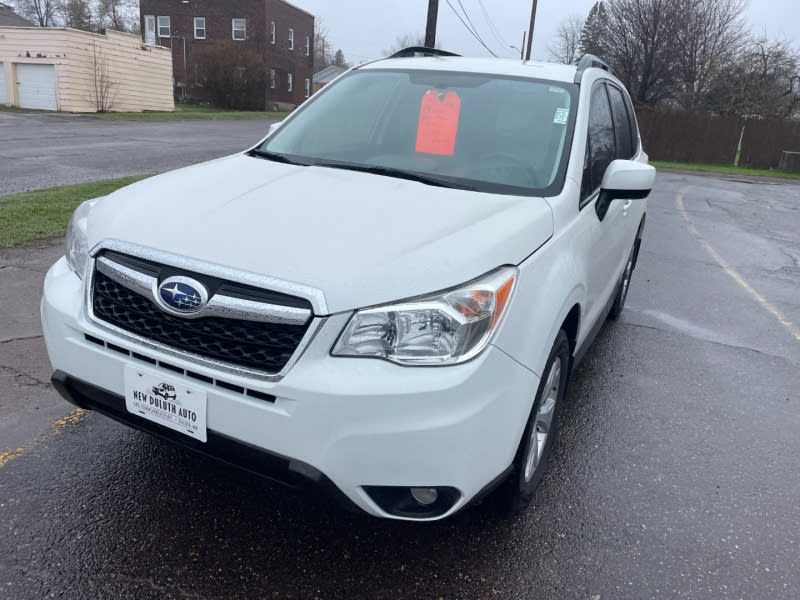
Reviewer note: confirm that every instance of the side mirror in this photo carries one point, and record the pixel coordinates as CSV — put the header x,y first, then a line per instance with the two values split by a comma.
x,y
624,180
274,127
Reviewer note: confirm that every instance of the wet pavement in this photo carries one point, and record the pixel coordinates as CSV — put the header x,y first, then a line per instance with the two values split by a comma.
x,y
674,476
41,150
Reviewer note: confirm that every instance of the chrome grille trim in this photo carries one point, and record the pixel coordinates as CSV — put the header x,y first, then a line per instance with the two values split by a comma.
x,y
218,306
313,295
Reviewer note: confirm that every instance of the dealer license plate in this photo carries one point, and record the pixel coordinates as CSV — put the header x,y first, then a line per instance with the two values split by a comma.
x,y
166,402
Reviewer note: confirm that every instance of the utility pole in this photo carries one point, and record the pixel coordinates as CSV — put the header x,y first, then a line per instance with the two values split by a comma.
x,y
430,30
530,31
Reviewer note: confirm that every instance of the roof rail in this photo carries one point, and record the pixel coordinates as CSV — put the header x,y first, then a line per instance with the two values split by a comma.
x,y
412,51
587,62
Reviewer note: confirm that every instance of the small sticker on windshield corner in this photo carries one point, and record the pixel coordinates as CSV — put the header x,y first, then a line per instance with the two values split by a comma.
x,y
555,90
561,116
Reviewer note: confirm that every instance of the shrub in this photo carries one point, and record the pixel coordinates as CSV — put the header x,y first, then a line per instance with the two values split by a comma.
x,y
229,75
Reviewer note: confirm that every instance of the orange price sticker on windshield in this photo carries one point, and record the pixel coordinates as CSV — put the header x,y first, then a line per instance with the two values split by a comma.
x,y
438,123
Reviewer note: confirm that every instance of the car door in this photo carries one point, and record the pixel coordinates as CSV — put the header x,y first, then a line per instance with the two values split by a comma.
x,y
605,237
627,137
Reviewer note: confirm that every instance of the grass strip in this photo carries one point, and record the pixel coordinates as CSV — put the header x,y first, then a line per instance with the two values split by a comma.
x,y
726,170
190,116
182,113
42,214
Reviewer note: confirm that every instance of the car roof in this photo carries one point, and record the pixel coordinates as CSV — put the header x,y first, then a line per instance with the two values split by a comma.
x,y
499,66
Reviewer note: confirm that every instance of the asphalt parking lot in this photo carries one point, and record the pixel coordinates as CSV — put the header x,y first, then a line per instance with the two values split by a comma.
x,y
674,477
41,150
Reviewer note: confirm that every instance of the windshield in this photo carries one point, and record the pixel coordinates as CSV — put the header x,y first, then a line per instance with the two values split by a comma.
x,y
472,131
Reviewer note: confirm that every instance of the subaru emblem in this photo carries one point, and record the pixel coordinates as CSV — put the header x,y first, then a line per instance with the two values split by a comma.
x,y
182,295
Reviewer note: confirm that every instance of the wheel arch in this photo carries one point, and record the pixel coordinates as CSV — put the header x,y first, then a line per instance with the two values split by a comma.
x,y
638,242
571,325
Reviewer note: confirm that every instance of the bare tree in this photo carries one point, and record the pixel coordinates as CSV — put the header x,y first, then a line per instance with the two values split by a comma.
x,y
121,15
763,81
710,38
323,47
76,14
640,44
566,46
230,75
406,40
40,12
693,54
103,86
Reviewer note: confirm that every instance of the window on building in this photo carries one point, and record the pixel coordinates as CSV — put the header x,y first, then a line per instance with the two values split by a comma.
x,y
291,82
291,39
199,28
272,78
163,27
308,45
272,29
308,88
239,29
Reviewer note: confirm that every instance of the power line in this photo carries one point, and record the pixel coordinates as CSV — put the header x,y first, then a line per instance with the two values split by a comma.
x,y
474,29
475,35
498,36
471,24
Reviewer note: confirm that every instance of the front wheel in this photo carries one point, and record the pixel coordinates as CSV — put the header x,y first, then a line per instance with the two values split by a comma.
x,y
530,461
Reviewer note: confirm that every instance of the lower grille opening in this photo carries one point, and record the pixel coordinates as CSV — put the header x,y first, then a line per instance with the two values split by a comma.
x,y
181,371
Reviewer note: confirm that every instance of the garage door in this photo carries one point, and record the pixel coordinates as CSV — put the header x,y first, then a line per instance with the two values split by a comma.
x,y
37,86
3,93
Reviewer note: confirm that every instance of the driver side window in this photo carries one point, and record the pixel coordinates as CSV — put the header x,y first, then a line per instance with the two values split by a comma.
x,y
601,146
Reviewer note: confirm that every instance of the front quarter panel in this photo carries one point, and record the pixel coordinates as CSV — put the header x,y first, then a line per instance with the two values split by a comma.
x,y
549,285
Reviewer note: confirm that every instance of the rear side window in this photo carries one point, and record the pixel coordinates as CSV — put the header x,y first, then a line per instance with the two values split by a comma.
x,y
623,124
601,145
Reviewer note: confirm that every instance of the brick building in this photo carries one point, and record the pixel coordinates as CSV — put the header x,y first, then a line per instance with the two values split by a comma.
x,y
236,53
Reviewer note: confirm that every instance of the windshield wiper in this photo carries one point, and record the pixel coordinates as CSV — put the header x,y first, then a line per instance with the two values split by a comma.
x,y
398,173
274,156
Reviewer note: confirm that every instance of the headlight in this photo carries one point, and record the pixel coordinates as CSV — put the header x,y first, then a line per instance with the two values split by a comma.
x,y
442,329
77,243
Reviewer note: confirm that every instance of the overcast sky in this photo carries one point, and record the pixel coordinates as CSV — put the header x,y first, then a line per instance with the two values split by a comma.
x,y
363,28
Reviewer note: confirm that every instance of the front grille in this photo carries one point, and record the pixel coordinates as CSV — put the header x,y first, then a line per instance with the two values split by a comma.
x,y
265,347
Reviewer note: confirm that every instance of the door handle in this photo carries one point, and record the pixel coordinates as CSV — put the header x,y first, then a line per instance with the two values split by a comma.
x,y
626,206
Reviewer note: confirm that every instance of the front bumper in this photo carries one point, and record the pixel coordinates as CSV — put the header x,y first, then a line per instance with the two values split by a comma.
x,y
340,423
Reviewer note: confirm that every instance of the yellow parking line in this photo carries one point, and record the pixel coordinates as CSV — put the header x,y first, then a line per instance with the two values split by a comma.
x,y
56,429
734,274
7,457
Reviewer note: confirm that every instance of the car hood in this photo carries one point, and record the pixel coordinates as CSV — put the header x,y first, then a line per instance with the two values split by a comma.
x,y
361,239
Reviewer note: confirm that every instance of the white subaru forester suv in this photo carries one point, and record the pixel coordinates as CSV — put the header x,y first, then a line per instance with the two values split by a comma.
x,y
384,299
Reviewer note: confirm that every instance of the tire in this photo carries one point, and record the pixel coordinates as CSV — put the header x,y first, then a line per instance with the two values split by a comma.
x,y
623,287
534,449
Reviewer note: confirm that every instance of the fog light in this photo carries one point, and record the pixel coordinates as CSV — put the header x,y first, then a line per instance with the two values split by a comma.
x,y
425,496
413,502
